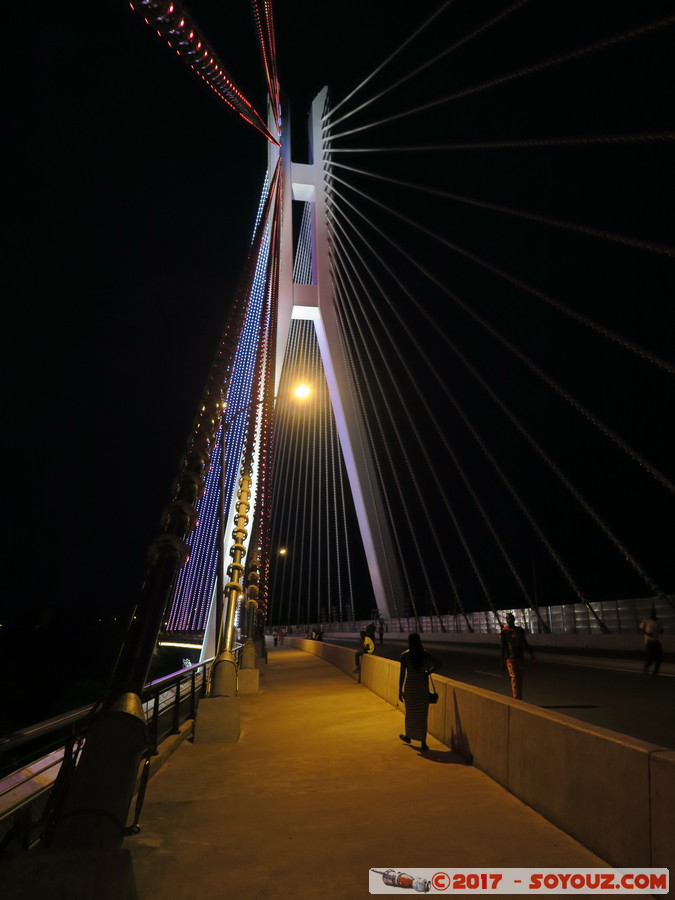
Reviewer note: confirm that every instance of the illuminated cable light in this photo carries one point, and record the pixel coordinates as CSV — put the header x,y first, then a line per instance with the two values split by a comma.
x,y
197,583
234,98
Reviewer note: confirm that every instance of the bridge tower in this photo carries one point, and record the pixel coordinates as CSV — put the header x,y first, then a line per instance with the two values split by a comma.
x,y
316,302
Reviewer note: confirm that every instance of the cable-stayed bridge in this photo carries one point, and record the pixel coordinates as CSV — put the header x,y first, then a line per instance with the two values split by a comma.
x,y
470,268
488,247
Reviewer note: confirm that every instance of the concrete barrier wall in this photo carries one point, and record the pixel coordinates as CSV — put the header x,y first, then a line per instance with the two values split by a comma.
x,y
614,794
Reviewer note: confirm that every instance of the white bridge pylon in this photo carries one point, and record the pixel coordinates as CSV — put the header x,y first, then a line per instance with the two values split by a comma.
x,y
316,302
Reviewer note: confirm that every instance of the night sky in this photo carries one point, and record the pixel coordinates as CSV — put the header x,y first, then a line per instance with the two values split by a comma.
x,y
132,193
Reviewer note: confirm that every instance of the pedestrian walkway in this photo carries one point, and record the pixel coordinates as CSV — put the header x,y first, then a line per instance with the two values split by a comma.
x,y
318,790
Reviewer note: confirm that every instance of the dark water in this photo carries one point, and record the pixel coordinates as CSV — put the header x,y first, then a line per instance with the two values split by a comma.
x,y
46,671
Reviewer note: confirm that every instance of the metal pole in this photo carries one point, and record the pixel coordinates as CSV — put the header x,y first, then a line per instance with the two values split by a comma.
x,y
237,552
220,575
223,682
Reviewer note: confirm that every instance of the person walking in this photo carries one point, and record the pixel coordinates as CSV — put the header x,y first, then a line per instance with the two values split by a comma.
x,y
281,637
381,630
413,689
652,628
513,644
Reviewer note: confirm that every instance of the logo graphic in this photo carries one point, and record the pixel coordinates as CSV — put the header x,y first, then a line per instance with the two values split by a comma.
x,y
400,879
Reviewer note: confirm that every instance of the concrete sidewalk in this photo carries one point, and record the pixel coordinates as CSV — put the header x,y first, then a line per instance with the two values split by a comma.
x,y
318,790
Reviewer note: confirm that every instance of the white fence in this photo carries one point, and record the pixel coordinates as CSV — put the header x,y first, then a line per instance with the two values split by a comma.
x,y
619,616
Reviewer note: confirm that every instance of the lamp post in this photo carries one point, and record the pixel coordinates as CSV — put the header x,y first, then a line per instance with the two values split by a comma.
x,y
218,713
224,673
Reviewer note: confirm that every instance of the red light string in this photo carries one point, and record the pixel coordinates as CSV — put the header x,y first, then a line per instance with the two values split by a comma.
x,y
262,14
271,38
174,24
266,58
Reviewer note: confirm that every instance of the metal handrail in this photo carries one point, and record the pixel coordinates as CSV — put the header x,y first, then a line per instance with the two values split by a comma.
x,y
153,693
167,679
34,774
40,729
167,703
33,732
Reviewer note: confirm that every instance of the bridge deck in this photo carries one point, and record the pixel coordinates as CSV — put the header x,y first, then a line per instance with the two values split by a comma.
x,y
318,790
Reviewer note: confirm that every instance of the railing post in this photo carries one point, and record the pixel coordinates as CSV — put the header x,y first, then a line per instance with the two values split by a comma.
x,y
94,812
193,693
154,725
176,710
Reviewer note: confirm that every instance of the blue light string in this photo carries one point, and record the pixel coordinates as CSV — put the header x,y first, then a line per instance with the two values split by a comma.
x,y
193,591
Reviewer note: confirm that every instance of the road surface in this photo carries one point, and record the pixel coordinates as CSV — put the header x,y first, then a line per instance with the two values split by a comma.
x,y
612,693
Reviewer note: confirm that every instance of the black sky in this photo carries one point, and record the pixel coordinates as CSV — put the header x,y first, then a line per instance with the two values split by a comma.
x,y
132,193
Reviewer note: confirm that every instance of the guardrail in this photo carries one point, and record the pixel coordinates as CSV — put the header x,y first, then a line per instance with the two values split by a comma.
x,y
38,757
619,616
170,701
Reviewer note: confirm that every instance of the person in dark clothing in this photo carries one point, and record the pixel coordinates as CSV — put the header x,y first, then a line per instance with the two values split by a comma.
x,y
413,689
381,630
513,643
652,629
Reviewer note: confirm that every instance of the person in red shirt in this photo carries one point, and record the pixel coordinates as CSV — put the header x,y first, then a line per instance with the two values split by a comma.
x,y
513,642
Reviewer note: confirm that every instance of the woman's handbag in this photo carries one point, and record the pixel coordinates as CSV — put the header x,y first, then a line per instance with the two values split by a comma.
x,y
433,696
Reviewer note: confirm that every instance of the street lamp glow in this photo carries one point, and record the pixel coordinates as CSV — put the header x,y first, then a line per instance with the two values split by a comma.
x,y
282,551
302,391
